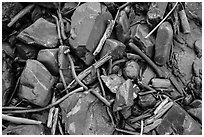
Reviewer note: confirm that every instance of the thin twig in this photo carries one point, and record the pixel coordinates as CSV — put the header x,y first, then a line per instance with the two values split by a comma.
x,y
58,29
55,121
100,82
110,66
142,127
60,127
161,21
64,37
126,131
49,106
62,78
19,120
105,101
51,111
20,15
74,73
14,91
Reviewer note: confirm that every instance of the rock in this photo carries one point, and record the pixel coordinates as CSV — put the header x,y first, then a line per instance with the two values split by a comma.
x,y
136,110
198,47
146,45
49,58
114,48
156,12
197,67
187,100
178,121
37,13
10,9
8,49
123,27
36,83
160,83
41,33
147,75
163,43
25,130
88,25
112,82
91,78
26,51
85,115
147,101
68,6
8,79
195,110
131,69
41,116
124,96
195,8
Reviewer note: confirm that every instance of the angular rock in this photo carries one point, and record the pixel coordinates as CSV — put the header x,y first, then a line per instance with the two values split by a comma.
x,y
84,114
147,101
8,79
124,96
36,83
123,27
146,45
41,33
163,43
131,69
114,48
25,130
26,51
126,112
178,121
198,47
112,82
147,75
136,110
87,28
48,57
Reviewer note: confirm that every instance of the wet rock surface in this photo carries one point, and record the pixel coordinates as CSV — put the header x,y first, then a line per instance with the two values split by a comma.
x,y
102,68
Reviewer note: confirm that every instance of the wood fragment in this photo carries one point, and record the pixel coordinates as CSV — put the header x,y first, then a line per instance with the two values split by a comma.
x,y
20,14
164,102
19,120
152,126
126,131
60,127
55,119
142,127
51,112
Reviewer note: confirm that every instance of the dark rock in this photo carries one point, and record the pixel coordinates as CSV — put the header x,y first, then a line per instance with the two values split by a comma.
x,y
195,110
124,96
198,47
147,101
24,130
136,110
88,25
178,121
26,51
41,116
48,57
36,14
36,83
187,100
123,27
163,43
112,82
114,48
156,12
68,6
8,79
41,33
86,115
131,69
146,45
147,75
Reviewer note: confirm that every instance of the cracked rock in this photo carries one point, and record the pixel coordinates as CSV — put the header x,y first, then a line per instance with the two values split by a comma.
x,y
36,83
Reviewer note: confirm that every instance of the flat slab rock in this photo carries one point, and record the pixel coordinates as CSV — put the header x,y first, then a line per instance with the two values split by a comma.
x,y
41,33
178,121
84,114
35,83
88,24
